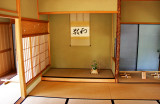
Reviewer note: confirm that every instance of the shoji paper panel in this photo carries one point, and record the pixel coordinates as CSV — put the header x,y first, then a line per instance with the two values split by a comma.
x,y
27,59
39,59
80,29
32,28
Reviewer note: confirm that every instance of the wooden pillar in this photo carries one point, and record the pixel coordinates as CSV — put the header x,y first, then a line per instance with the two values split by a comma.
x,y
118,41
18,35
49,53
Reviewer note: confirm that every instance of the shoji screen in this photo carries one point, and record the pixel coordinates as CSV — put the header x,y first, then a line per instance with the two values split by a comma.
x,y
35,53
128,47
35,48
6,49
149,43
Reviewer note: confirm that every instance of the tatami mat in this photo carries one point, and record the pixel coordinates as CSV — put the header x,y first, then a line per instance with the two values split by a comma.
x,y
88,101
9,93
79,73
72,90
97,90
135,91
135,102
43,100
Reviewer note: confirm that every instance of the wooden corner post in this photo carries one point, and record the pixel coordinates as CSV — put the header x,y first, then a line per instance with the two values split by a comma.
x,y
19,47
118,41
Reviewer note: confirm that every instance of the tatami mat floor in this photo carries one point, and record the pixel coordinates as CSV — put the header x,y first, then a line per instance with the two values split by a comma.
x,y
97,90
46,100
78,73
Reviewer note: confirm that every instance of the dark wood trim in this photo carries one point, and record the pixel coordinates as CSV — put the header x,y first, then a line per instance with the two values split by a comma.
x,y
6,10
29,82
32,35
140,0
67,100
5,50
114,59
69,12
140,22
118,42
38,9
137,48
4,22
33,20
8,16
20,100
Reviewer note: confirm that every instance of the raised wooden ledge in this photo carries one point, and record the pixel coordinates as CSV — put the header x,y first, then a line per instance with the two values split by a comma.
x,y
70,12
77,80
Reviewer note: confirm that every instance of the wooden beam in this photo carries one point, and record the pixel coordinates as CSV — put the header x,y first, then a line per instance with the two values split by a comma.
x,y
6,10
38,9
70,12
19,48
49,50
140,22
32,35
118,41
5,50
8,16
30,42
4,22
33,20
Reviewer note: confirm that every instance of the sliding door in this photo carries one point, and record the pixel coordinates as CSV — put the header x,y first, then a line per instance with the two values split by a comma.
x,y
128,47
6,52
149,43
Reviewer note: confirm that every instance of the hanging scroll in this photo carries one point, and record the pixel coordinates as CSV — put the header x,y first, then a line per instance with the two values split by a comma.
x,y
80,29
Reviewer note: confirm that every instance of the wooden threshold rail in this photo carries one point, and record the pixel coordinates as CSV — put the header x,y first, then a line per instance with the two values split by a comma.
x,y
69,12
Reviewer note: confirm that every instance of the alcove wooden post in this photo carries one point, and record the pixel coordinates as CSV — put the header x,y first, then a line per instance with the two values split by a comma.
x,y
118,41
19,50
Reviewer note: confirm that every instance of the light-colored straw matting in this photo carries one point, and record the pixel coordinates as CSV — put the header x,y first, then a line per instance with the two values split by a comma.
x,y
97,90
135,91
72,90
135,102
86,101
82,73
43,100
